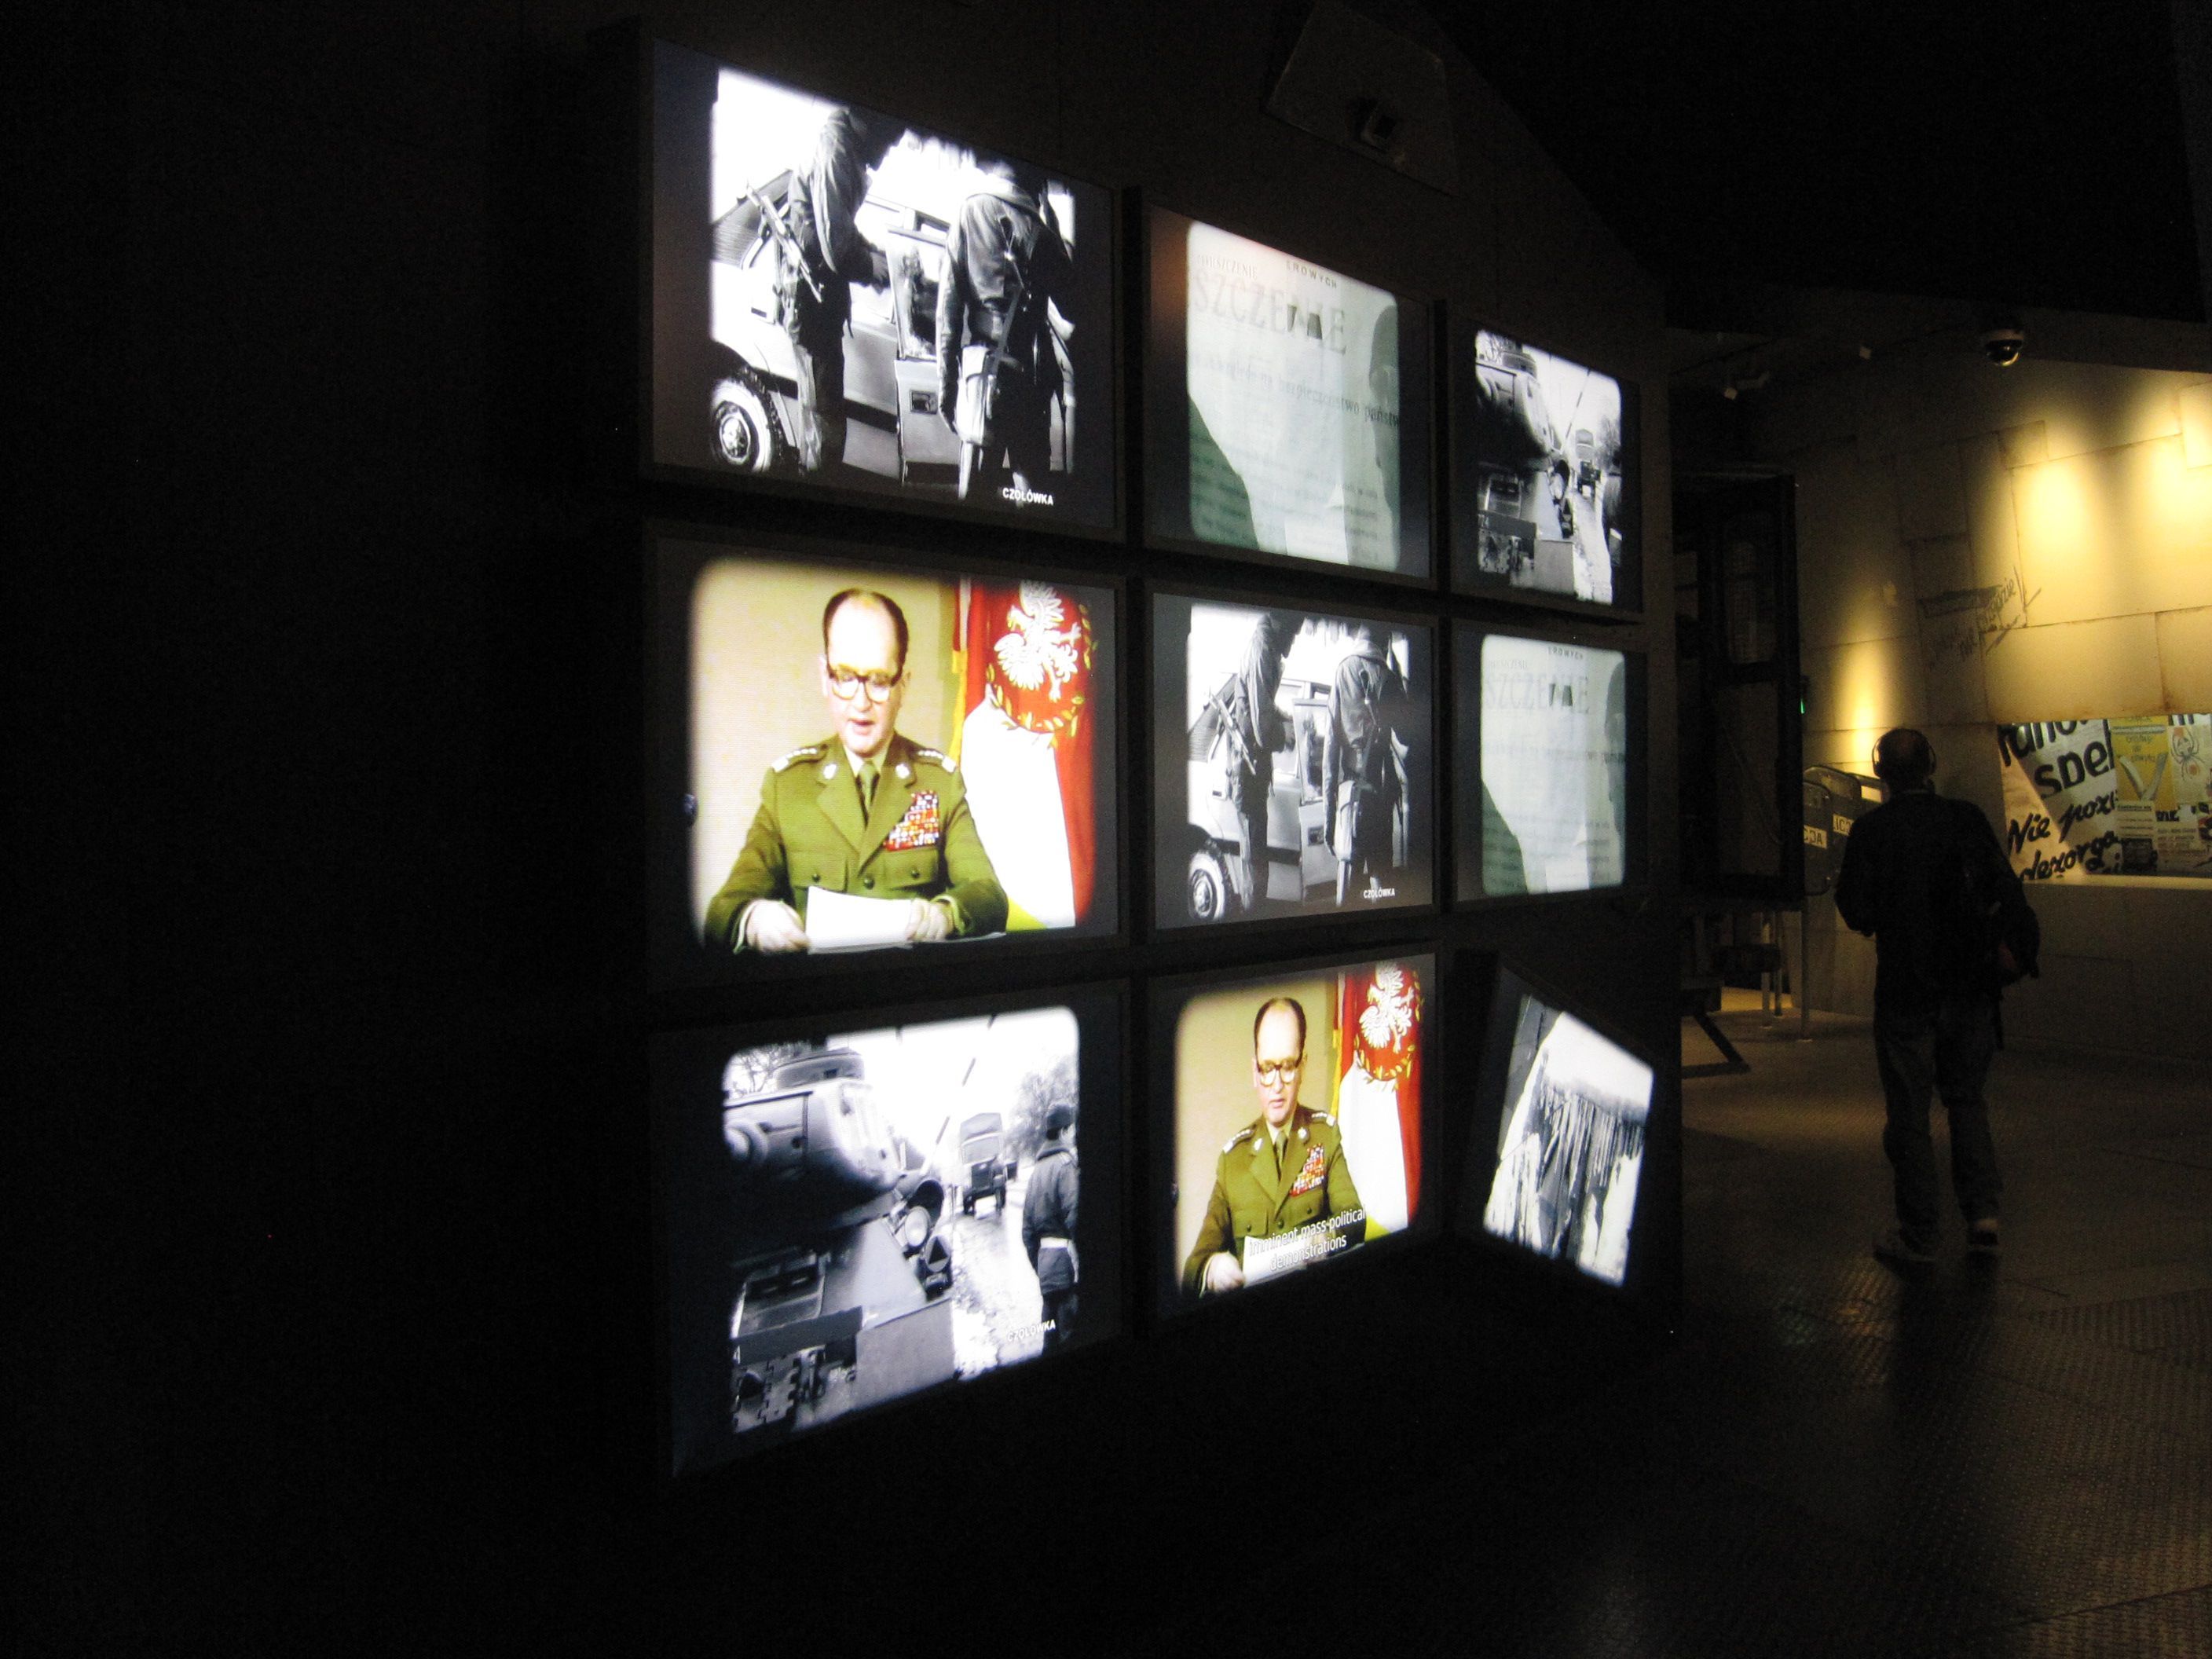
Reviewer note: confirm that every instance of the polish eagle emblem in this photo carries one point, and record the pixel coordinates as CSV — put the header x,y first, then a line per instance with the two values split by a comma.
x,y
1040,664
1389,1023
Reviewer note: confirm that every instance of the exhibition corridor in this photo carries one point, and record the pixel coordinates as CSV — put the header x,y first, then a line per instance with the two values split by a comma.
x,y
2003,1458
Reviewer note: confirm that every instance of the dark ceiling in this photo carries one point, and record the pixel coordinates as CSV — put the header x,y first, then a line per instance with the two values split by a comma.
x,y
2024,154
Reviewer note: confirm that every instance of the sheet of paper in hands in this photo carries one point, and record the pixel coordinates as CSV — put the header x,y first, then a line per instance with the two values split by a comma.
x,y
839,921
1270,1258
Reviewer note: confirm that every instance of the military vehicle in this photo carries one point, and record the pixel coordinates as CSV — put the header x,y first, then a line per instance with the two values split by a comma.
x,y
839,1286
986,1173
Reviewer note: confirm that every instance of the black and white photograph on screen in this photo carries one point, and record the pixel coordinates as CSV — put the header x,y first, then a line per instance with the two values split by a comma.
x,y
886,1210
1293,378
892,311
1554,781
1570,1144
1305,786
1548,476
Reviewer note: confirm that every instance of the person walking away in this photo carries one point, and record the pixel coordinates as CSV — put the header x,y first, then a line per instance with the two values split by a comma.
x,y
1924,875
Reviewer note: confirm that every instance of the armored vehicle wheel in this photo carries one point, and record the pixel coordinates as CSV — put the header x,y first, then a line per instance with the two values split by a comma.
x,y
1209,886
748,434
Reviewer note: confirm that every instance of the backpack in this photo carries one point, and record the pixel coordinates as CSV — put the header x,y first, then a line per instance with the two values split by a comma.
x,y
1985,915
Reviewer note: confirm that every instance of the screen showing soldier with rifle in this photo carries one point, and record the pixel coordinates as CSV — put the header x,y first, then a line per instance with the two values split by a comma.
x,y
847,301
1292,763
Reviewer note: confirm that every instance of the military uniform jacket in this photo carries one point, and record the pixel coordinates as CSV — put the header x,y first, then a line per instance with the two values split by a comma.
x,y
1251,1200
1048,1211
918,841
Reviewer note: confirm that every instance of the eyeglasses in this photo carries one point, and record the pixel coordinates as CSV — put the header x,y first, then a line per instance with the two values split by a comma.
x,y
1274,1071
846,683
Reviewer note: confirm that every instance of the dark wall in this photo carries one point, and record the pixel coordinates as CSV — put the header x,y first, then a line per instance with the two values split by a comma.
x,y
337,1327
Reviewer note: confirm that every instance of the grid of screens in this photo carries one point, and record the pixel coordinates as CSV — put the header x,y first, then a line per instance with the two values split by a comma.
x,y
1289,404
856,751
1547,811
984,706
1544,473
1296,1120
1292,771
860,1214
1570,1107
843,300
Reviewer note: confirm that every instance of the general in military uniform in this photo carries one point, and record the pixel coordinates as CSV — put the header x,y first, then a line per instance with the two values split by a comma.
x,y
1282,1174
865,812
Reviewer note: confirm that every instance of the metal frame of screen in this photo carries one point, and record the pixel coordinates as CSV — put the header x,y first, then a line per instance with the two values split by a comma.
x,y
1166,998
1464,492
672,555
1468,788
1485,1119
675,279
1170,837
693,1059
1166,459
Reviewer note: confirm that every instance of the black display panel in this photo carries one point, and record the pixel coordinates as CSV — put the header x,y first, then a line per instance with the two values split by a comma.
x,y
1287,406
1546,487
1289,1128
1293,770
866,1207
831,294
1546,779
1557,1158
983,701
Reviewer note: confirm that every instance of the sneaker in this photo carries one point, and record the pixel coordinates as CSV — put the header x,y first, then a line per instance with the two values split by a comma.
x,y
1891,1245
1981,1235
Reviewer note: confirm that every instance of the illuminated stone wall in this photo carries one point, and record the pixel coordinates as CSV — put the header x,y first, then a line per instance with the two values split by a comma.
x,y
1979,545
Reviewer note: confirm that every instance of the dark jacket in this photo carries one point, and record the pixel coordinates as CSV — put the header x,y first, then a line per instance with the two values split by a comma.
x,y
1002,236
1912,868
1366,707
1048,1212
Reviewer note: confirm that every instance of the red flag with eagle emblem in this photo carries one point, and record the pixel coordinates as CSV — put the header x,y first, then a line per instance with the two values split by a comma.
x,y
1027,742
1379,1088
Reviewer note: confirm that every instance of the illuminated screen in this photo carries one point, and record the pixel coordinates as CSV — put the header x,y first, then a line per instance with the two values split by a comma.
x,y
1289,405
1544,473
1570,1144
844,300
989,809
2126,796
1296,1121
1552,807
862,1215
1292,773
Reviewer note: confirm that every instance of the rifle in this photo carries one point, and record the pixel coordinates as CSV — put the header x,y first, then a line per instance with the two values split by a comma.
x,y
999,354
1235,738
787,240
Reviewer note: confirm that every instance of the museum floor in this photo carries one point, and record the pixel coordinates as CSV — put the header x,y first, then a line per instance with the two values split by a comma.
x,y
1836,1460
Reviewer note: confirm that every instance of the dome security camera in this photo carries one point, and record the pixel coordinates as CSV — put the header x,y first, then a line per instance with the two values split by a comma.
x,y
2003,346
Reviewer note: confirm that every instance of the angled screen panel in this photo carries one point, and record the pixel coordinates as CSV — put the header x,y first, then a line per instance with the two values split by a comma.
x,y
1557,1158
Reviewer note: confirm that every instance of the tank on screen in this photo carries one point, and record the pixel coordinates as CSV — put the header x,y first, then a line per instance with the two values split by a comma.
x,y
851,1307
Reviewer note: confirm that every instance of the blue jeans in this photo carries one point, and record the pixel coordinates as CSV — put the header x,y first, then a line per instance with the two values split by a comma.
x,y
1947,1050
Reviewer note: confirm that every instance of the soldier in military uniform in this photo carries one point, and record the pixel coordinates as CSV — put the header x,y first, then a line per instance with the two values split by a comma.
x,y
866,812
1048,1212
998,368
1361,789
1276,1175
